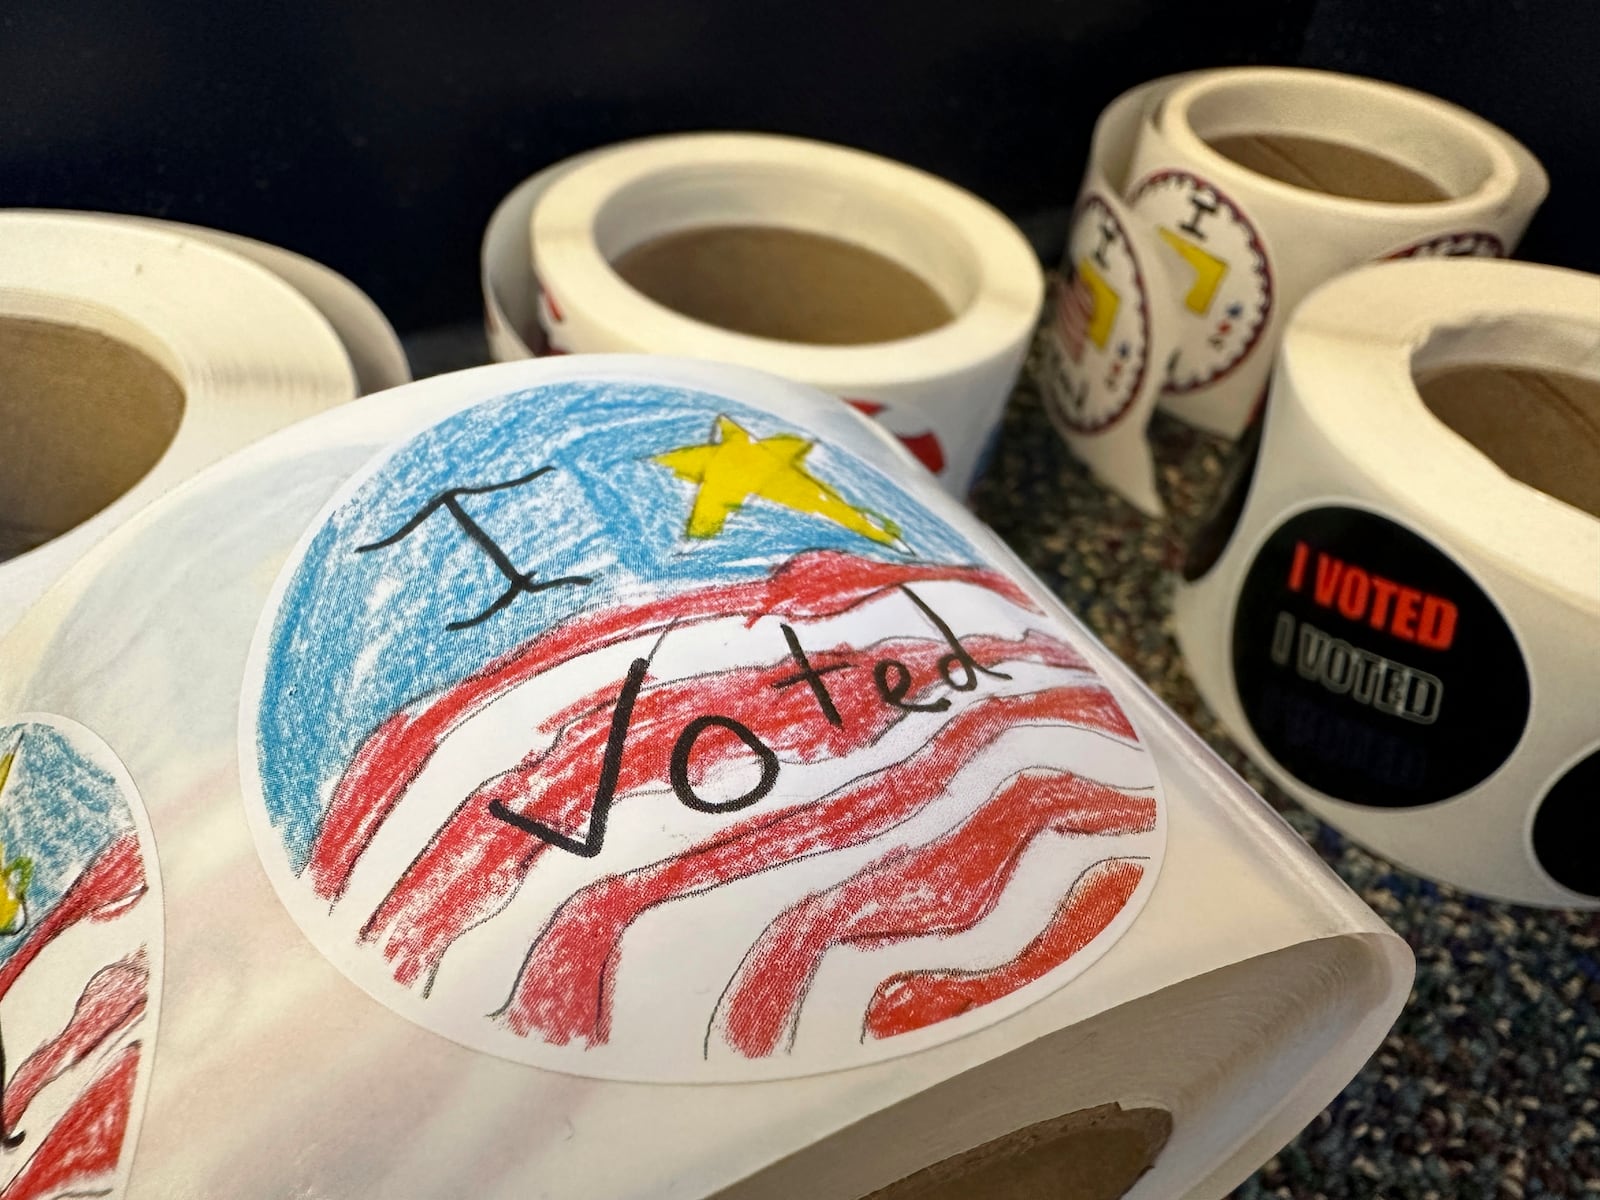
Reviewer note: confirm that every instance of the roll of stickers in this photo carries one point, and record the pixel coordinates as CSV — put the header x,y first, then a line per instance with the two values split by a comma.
x,y
125,374
1403,623
561,756
1213,203
896,291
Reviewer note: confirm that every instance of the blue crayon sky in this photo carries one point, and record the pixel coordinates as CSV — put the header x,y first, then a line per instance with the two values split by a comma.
x,y
359,634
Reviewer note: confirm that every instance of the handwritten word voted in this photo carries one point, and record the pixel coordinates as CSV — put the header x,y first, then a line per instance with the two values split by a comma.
x,y
957,670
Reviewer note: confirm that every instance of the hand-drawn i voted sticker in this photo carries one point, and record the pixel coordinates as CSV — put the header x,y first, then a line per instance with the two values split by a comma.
x,y
1211,244
80,962
628,730
1101,319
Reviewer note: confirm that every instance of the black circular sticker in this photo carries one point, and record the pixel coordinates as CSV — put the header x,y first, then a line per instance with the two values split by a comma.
x,y
1371,666
1566,829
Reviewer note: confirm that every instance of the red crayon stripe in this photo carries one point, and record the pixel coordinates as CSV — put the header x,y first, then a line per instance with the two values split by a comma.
x,y
941,888
564,988
916,999
112,1001
472,867
79,1155
810,586
106,889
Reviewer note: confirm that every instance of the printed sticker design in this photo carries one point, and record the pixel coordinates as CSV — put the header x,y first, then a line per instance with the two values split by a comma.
x,y
1101,324
549,335
1371,666
80,962
631,731
1476,243
1564,826
1212,245
921,441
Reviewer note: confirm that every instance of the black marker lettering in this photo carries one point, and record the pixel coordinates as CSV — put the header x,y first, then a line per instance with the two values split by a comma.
x,y
519,583
605,791
684,747
1108,234
958,652
894,691
1203,206
813,676
9,1139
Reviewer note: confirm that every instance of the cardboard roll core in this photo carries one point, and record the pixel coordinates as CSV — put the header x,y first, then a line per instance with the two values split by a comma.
x,y
1540,426
83,417
790,285
1092,1154
1332,168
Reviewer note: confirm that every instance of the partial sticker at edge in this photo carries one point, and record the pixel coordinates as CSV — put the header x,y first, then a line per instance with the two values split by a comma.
x,y
80,962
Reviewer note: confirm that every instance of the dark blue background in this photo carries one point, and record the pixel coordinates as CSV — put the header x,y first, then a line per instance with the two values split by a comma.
x,y
378,137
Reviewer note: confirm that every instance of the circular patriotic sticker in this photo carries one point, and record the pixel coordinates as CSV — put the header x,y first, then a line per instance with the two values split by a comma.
x,y
1473,243
1100,322
631,731
80,961
1219,262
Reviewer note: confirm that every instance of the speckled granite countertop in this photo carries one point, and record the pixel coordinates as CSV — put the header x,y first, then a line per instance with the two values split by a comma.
x,y
1489,1085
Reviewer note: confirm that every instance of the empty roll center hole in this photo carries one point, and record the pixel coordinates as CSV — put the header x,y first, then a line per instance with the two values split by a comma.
x,y
1358,144
774,252
1537,424
789,285
83,417
1092,1154
1328,167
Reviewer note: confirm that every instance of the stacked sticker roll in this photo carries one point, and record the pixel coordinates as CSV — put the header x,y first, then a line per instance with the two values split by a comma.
x,y
139,351
555,251
1213,203
617,778
1402,626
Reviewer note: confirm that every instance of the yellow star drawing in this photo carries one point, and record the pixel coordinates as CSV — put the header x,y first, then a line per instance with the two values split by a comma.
x,y
16,875
735,467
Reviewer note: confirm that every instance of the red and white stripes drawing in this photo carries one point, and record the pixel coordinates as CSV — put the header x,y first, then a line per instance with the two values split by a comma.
x,y
916,772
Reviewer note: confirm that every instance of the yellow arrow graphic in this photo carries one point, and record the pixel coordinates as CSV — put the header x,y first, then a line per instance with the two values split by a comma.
x,y
1208,271
1106,302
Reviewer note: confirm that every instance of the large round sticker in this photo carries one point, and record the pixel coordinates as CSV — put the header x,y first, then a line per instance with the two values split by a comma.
x,y
80,962
1213,251
1566,828
1371,666
630,731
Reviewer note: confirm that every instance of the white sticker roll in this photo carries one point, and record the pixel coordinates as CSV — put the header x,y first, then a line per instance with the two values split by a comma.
x,y
1214,202
141,351
1246,991
1402,627
551,287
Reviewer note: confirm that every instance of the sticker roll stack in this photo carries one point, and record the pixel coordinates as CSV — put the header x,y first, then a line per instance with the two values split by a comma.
x,y
551,283
1213,203
615,777
1401,626
139,351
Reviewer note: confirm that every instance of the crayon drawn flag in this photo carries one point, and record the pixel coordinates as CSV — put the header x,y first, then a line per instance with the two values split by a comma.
x,y
80,956
670,742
